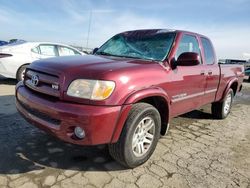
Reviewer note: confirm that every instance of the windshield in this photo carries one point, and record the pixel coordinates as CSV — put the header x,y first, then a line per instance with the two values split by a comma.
x,y
139,44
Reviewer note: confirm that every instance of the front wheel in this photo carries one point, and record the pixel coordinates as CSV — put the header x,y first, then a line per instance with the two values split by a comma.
x,y
220,110
139,136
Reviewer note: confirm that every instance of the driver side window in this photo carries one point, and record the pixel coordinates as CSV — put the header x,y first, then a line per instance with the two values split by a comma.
x,y
188,43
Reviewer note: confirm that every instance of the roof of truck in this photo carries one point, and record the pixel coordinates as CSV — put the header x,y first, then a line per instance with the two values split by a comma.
x,y
164,31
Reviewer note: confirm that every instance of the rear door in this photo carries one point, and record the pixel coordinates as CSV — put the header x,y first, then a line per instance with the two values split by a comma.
x,y
44,51
187,82
212,70
48,50
66,51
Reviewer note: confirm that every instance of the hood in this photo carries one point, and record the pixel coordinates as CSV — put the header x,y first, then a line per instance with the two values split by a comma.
x,y
88,66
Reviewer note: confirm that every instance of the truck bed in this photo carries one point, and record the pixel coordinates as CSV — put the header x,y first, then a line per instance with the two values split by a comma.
x,y
228,73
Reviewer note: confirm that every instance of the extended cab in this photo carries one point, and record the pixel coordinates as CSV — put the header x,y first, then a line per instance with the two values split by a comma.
x,y
126,93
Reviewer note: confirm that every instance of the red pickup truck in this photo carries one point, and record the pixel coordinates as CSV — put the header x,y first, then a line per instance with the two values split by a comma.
x,y
125,94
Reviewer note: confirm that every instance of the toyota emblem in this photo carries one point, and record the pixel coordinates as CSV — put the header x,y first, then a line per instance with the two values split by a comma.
x,y
34,80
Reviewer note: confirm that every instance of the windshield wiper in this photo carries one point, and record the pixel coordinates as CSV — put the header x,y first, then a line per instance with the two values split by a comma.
x,y
124,56
104,53
108,54
135,57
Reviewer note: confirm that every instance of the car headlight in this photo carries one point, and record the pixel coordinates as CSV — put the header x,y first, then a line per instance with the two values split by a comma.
x,y
91,89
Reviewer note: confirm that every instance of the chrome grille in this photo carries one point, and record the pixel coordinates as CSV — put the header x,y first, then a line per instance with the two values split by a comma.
x,y
42,83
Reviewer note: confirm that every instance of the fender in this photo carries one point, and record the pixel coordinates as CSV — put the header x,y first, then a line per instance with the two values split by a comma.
x,y
133,98
148,92
229,86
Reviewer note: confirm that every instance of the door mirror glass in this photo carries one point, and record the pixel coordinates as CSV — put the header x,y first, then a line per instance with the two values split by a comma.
x,y
188,59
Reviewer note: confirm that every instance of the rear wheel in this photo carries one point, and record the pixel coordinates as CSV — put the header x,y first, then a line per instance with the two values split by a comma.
x,y
139,136
220,110
249,79
20,73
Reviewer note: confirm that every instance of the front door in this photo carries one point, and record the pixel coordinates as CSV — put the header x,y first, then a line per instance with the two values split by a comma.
x,y
187,82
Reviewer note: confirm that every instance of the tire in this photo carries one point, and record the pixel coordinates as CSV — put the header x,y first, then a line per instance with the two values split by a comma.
x,y
220,110
141,115
20,73
249,79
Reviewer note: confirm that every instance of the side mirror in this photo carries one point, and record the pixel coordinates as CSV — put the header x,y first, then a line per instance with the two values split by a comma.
x,y
188,59
94,51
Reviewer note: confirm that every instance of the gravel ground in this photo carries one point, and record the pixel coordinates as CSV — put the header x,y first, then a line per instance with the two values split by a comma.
x,y
197,152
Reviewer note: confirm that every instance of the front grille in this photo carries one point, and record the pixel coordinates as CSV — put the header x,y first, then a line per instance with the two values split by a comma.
x,y
46,83
40,115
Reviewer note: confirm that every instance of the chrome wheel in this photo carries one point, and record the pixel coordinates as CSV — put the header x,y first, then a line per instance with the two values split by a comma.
x,y
228,103
139,136
143,136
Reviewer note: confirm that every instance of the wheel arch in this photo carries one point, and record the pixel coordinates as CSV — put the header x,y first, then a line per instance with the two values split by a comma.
x,y
161,105
25,64
154,96
157,97
234,85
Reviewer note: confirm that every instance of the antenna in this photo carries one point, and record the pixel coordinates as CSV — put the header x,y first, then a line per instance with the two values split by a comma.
x,y
90,19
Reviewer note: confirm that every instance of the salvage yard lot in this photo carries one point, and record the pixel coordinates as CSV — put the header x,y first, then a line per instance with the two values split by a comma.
x,y
198,151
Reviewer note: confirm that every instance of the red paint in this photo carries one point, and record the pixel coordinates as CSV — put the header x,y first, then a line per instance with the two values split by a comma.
x,y
135,80
91,118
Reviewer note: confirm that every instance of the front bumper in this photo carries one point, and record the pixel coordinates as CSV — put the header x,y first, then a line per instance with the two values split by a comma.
x,y
59,118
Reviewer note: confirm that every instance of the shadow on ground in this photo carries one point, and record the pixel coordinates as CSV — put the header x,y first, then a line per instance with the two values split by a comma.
x,y
8,81
203,113
34,150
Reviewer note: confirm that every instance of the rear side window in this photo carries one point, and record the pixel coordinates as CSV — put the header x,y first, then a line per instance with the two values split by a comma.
x,y
208,51
48,50
188,43
64,51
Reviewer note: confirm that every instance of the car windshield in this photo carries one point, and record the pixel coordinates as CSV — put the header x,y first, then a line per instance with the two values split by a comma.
x,y
149,45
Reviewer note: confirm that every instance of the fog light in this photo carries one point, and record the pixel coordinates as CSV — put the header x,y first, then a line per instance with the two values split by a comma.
x,y
79,132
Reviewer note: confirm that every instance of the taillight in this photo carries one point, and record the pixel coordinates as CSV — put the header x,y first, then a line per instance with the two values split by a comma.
x,y
4,55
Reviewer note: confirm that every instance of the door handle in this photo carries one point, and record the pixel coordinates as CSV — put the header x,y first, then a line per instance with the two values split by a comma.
x,y
202,73
210,72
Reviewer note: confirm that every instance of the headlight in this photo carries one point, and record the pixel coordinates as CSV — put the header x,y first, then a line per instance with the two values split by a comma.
x,y
91,89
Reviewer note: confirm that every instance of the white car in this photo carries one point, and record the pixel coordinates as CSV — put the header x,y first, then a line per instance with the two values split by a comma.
x,y
14,58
